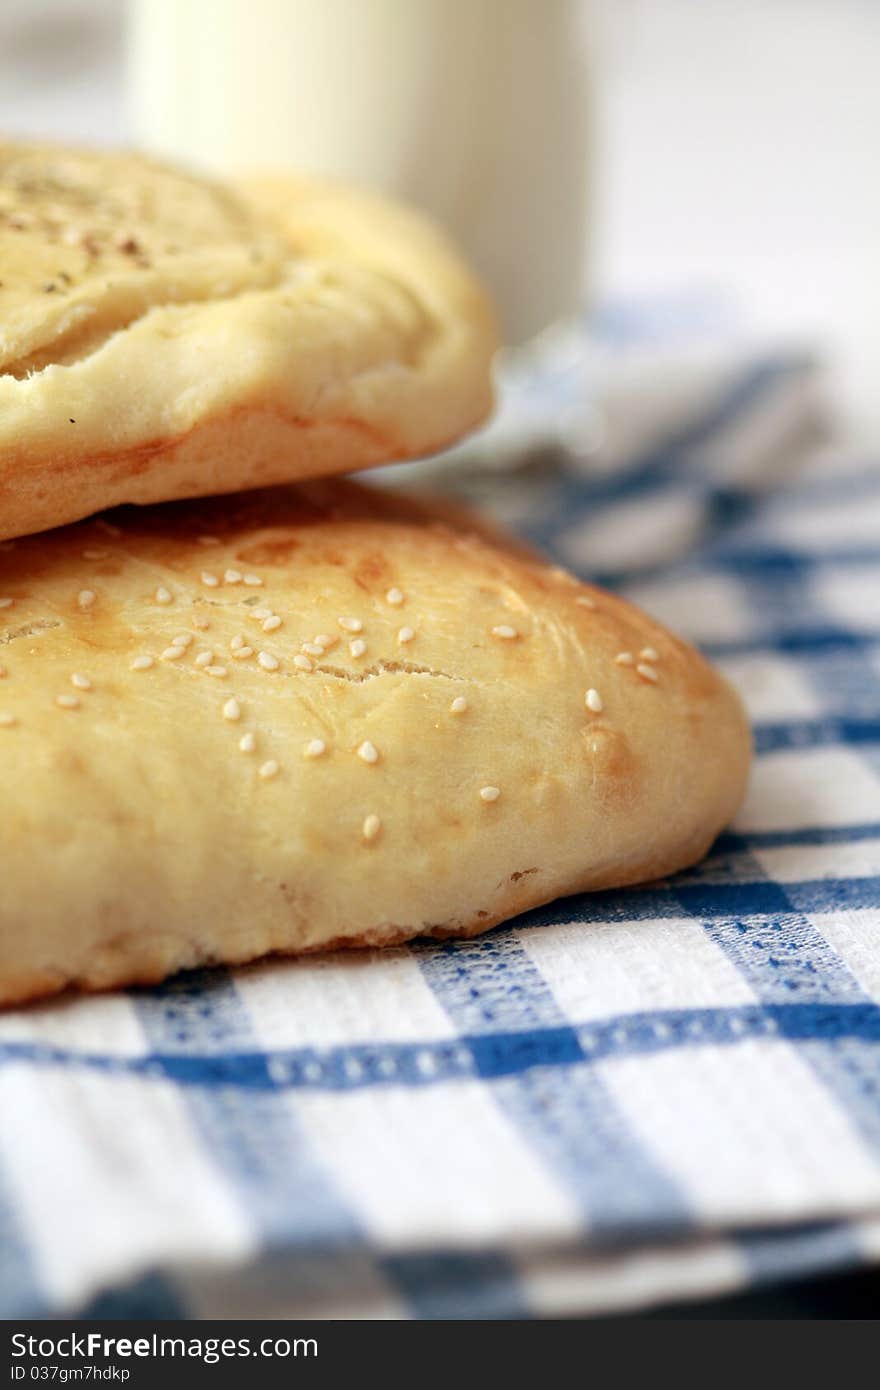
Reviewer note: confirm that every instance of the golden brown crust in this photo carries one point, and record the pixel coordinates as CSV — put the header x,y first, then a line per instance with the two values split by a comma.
x,y
164,337
140,838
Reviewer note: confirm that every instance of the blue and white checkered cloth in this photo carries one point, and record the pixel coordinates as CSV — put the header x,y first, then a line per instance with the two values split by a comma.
x,y
668,1091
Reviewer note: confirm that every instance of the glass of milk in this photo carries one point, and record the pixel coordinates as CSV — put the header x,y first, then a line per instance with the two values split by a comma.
x,y
475,110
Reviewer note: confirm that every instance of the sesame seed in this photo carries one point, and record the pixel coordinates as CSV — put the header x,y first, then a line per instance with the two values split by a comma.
x,y
260,613
67,701
232,577
459,705
209,580
218,671
326,640
647,672
204,658
239,640
313,649
241,653
357,647
7,720
394,597
585,601
624,658
183,639
232,710
272,624
368,752
173,653
371,827
490,793
504,631
649,654
253,579
141,663
269,769
351,624
6,602
247,743
85,598
314,748
163,595
81,682
593,701
268,661
405,634
302,663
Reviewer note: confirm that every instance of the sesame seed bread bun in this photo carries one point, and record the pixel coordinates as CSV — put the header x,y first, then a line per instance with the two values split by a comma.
x,y
317,717
162,336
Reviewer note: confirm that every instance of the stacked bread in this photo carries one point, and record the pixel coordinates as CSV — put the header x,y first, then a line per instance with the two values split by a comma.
x,y
311,714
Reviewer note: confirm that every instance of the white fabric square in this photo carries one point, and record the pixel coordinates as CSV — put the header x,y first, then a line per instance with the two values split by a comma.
x,y
802,863
600,969
569,1283
810,786
702,607
636,534
102,1023
342,998
851,595
853,935
108,1177
772,687
830,523
748,1131
436,1166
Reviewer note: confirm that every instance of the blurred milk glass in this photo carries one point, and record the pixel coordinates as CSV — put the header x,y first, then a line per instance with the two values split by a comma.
x,y
475,110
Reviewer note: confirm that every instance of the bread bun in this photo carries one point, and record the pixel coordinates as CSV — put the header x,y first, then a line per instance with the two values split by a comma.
x,y
319,717
162,336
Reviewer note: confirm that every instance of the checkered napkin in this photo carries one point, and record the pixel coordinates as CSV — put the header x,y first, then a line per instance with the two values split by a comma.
x,y
622,1098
